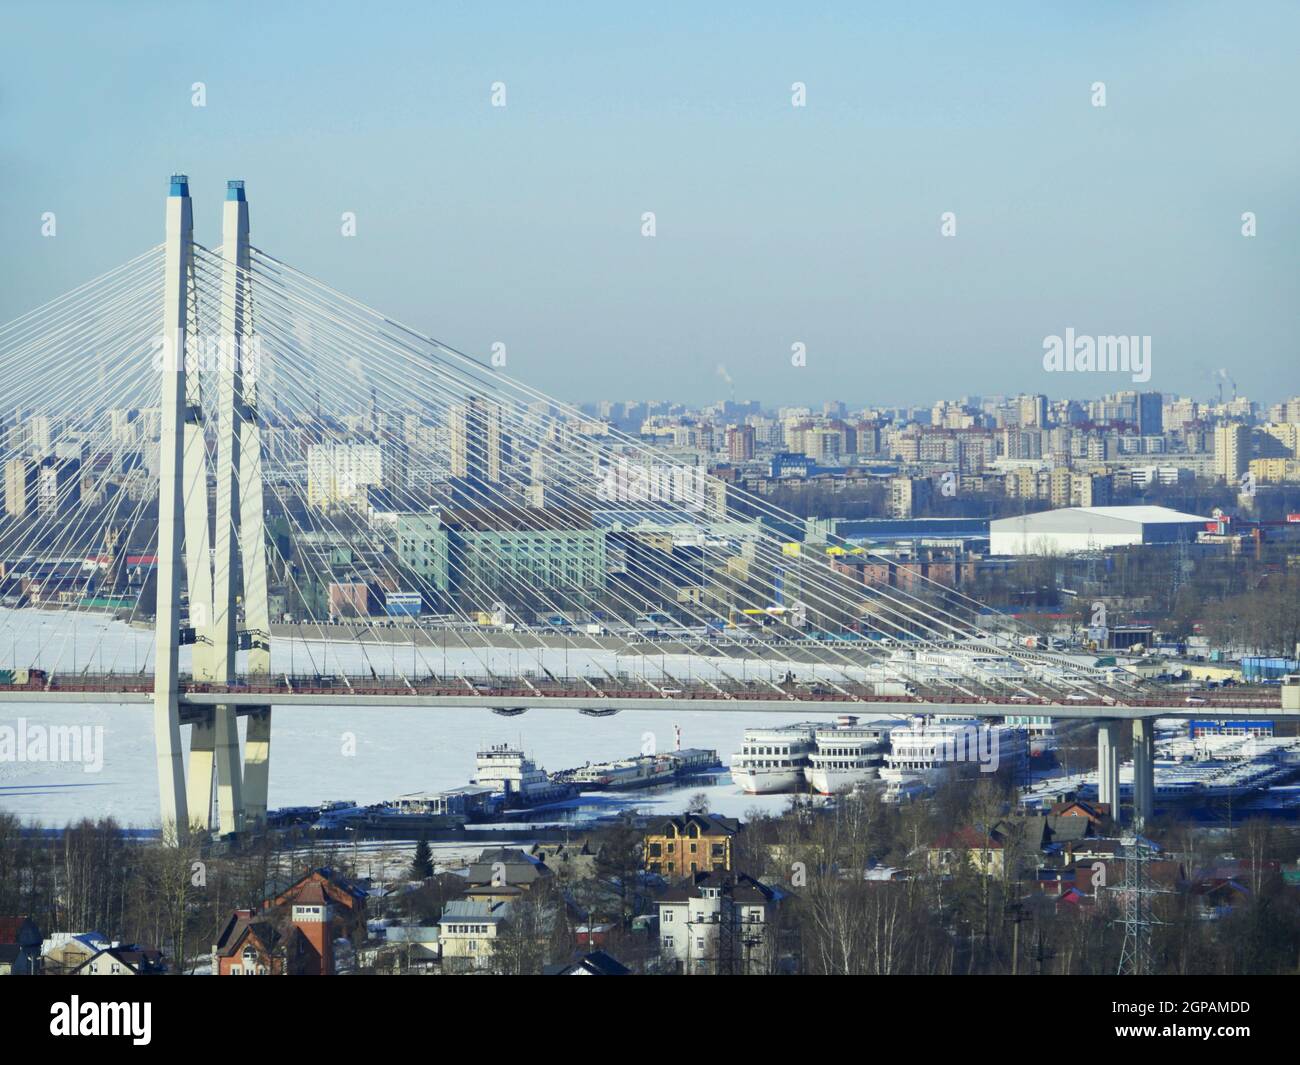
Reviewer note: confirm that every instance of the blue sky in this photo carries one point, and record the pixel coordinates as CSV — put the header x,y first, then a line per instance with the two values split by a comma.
x,y
775,224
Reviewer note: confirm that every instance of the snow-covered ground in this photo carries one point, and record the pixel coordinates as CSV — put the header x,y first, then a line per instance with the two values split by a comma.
x,y
365,754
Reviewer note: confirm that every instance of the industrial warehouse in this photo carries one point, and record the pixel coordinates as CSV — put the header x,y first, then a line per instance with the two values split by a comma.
x,y
1073,529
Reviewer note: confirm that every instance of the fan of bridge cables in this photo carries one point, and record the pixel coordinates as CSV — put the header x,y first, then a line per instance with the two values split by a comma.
x,y
73,459
394,466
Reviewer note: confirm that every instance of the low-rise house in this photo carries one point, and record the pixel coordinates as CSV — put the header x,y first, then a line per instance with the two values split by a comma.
x,y
575,861
1219,896
1069,900
416,945
298,930
984,853
1094,812
64,951
593,935
1243,870
249,945
130,960
346,899
597,963
689,844
1104,874
506,867
20,947
1033,832
1068,828
467,932
718,922
493,892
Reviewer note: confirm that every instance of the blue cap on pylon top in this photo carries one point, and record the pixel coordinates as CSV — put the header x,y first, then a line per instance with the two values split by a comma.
x,y
180,185
234,190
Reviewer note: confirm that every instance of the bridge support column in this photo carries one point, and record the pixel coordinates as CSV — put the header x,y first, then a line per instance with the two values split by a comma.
x,y
177,278
203,738
1108,766
230,803
257,765
1144,772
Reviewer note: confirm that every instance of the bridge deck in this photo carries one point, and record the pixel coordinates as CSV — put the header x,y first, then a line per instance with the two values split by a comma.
x,y
602,694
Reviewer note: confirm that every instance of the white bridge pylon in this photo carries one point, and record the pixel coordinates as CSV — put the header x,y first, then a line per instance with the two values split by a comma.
x,y
189,561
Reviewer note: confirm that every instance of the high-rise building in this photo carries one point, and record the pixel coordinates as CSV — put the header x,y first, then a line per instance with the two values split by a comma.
x,y
20,486
124,425
42,433
1231,450
477,452
1033,411
58,486
740,443
340,474
422,546
1150,414
1090,489
907,495
1280,440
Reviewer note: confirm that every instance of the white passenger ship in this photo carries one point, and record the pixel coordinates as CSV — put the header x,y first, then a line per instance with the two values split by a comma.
x,y
827,758
929,751
773,759
848,755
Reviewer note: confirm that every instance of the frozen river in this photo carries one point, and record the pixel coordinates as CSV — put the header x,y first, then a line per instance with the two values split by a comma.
x,y
364,754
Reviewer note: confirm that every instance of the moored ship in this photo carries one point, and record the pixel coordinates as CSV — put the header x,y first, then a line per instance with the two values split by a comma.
x,y
773,759
847,755
643,770
931,750
520,781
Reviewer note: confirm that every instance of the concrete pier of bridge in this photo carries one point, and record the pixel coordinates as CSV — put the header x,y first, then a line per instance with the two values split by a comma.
x,y
1144,762
1144,771
1108,765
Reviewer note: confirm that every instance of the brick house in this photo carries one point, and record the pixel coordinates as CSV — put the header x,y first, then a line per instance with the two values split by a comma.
x,y
294,931
689,844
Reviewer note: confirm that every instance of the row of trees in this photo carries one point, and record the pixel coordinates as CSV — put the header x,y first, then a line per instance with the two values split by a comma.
x,y
94,876
960,920
832,919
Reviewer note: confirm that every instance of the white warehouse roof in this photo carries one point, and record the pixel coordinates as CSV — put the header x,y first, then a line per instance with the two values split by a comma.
x,y
1146,515
1088,528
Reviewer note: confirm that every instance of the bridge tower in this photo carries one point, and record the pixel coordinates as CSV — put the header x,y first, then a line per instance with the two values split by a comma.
x,y
183,533
239,513
178,291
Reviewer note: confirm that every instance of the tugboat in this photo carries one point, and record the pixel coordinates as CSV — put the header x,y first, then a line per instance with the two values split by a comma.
x,y
520,781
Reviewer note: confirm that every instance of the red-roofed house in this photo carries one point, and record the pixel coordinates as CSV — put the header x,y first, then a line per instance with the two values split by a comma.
x,y
295,930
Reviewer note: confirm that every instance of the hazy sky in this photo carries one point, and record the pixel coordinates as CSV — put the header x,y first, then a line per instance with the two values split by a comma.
x,y
775,225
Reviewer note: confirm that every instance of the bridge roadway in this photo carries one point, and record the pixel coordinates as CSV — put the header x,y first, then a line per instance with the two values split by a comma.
x,y
509,694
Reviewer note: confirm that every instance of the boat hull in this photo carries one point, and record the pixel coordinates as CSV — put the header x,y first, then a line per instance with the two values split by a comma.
x,y
768,781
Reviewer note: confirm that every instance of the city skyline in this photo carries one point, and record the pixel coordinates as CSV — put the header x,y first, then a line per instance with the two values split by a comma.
x,y
775,225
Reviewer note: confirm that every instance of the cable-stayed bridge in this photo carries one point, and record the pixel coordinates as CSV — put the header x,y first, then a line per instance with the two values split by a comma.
x,y
309,503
